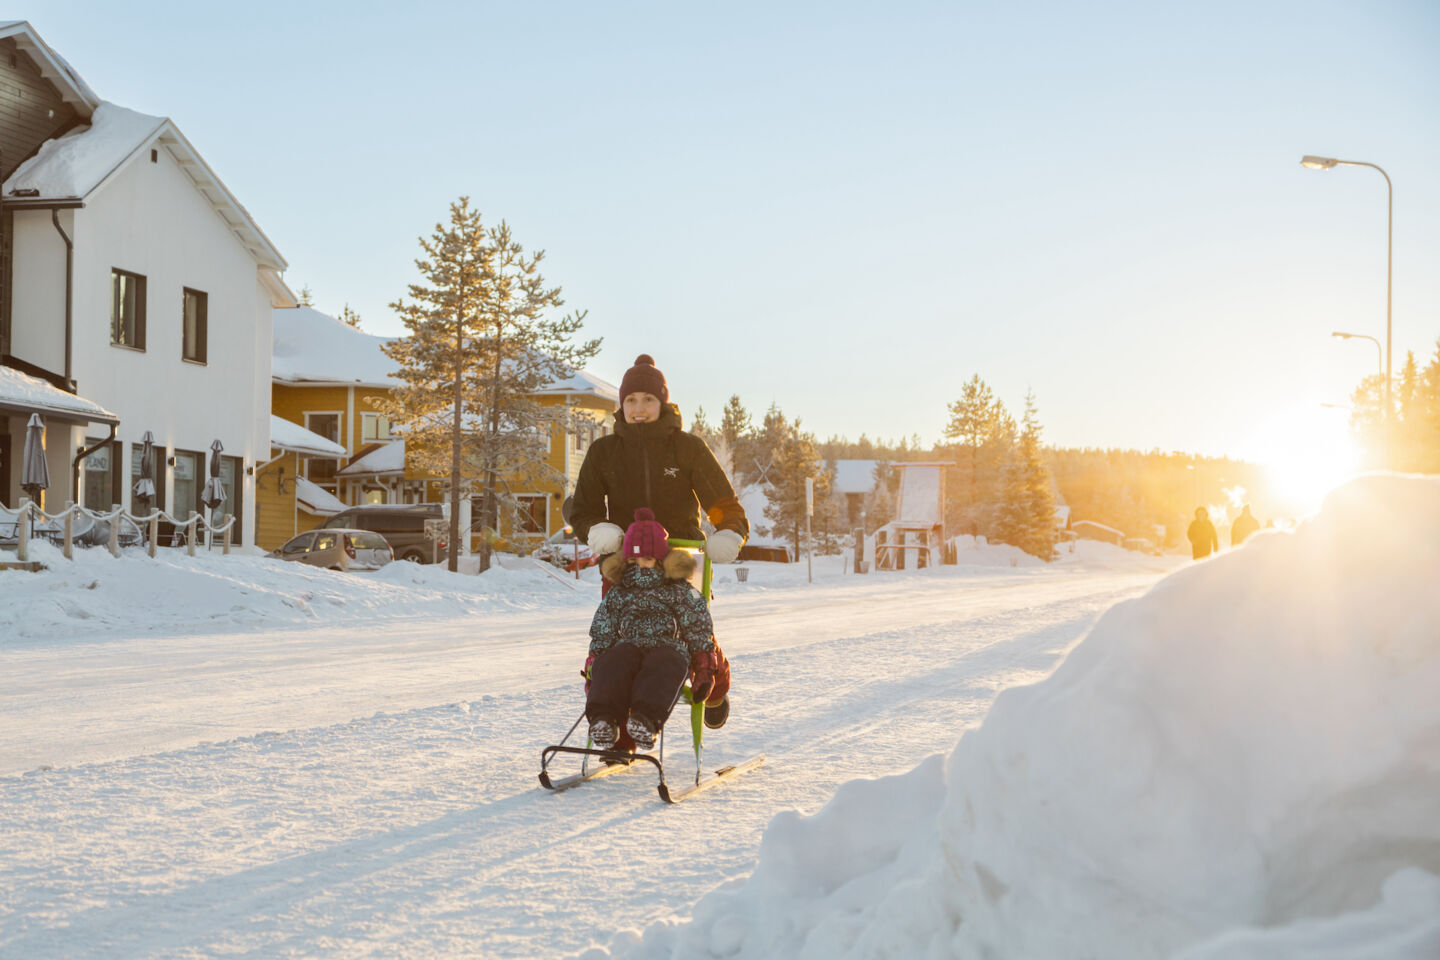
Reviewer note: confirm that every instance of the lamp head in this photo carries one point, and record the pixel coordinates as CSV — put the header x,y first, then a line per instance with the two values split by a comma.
x,y
1318,163
1342,336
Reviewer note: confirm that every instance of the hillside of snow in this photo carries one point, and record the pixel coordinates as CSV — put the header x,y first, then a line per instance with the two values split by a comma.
x,y
1242,763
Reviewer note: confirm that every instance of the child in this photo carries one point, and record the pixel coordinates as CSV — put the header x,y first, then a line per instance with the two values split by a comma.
x,y
651,632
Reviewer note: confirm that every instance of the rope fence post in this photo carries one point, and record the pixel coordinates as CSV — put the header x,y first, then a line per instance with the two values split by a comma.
x,y
22,532
153,532
190,534
69,529
114,530
228,527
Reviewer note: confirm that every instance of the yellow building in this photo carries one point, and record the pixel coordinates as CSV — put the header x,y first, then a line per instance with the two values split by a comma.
x,y
325,375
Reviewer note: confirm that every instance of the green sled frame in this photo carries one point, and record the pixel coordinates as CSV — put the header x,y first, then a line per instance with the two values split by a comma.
x,y
607,762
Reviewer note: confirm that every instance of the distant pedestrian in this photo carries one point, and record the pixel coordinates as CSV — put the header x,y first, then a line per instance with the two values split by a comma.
x,y
1203,539
1244,525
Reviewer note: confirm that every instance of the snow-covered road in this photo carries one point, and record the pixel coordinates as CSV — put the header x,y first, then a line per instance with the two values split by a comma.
x,y
343,790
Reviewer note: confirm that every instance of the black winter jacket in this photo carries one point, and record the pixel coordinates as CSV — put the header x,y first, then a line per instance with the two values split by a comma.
x,y
660,466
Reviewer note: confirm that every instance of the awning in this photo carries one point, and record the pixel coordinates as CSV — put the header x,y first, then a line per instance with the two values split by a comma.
x,y
24,394
316,500
293,438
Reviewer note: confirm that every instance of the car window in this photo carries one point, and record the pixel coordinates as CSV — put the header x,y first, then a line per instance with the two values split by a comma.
x,y
325,541
368,541
334,522
298,544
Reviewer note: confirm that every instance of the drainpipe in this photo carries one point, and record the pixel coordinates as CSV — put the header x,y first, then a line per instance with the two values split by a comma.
x,y
80,457
69,292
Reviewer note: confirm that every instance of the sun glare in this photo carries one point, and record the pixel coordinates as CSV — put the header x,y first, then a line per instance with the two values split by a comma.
x,y
1306,454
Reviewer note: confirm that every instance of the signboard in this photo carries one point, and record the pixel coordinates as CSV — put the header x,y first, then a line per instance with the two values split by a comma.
x,y
437,529
99,460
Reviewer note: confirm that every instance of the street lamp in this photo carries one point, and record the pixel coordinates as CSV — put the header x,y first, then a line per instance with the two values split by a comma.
x,y
1328,163
1361,336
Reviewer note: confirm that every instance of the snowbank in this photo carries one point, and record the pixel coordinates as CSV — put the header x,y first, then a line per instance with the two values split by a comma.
x,y
1243,763
96,594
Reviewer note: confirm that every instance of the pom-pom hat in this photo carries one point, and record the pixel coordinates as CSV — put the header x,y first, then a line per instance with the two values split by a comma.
x,y
646,536
644,377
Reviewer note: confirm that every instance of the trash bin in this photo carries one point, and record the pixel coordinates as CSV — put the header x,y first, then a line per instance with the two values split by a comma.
x,y
742,573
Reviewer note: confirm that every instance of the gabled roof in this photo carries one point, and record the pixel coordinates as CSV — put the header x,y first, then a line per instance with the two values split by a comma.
x,y
313,347
582,383
53,67
73,167
315,499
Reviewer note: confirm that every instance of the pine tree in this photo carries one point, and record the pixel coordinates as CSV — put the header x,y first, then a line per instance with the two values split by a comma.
x,y
479,346
349,316
306,298
1027,507
978,422
795,459
735,431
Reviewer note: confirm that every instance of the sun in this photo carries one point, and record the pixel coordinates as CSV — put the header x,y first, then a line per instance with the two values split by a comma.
x,y
1306,453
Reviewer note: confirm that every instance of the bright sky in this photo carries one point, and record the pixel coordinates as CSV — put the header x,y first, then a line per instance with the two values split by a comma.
x,y
849,209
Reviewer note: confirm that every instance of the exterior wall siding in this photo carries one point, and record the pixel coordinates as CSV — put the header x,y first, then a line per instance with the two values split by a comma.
x,y
150,219
31,109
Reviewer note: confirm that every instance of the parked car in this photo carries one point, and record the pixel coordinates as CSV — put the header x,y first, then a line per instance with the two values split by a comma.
x,y
561,550
337,549
402,525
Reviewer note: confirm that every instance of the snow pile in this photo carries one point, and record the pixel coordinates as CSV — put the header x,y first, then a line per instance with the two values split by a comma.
x,y
1243,763
96,594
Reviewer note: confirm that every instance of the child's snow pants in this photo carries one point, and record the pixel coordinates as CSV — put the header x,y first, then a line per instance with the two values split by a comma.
x,y
628,679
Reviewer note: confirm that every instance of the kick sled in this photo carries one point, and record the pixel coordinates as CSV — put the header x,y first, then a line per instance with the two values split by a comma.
x,y
596,763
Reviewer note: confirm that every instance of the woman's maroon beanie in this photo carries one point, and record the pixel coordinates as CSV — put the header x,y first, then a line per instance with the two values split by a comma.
x,y
644,377
646,537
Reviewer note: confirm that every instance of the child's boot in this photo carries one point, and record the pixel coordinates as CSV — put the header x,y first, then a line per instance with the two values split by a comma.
x,y
603,734
642,730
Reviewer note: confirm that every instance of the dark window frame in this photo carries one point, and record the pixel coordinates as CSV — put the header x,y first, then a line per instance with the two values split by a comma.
x,y
197,352
133,336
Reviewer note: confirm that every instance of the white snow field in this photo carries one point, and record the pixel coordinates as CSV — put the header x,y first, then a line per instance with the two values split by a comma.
x,y
234,757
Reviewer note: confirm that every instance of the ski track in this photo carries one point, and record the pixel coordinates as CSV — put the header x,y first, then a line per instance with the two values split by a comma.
x,y
423,832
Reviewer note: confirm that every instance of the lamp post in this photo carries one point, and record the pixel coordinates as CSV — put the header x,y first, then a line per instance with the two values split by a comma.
x,y
1329,163
1380,371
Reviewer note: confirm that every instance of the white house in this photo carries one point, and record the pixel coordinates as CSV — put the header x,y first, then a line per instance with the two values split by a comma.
x,y
140,284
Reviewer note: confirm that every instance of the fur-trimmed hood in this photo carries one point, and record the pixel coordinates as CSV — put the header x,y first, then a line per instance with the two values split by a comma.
x,y
678,564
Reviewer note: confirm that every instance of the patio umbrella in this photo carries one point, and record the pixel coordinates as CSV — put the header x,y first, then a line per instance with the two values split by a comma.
x,y
214,493
145,486
34,471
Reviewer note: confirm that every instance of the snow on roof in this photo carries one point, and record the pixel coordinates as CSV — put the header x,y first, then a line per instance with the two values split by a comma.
x,y
313,347
855,476
70,167
315,499
295,438
26,394
1097,526
585,383
388,458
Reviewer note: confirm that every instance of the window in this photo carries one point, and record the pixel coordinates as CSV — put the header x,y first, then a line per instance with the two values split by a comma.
x,y
189,471
157,476
102,479
194,323
127,309
300,544
322,470
232,476
374,428
530,510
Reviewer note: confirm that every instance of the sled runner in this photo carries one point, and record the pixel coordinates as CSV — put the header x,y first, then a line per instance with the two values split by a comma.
x,y
596,763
